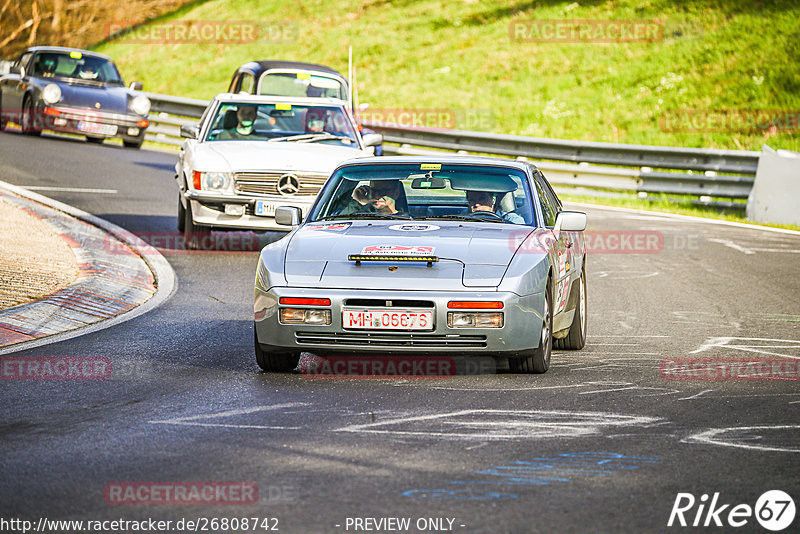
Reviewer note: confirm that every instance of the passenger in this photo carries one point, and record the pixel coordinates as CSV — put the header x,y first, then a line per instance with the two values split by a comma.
x,y
245,118
485,201
386,197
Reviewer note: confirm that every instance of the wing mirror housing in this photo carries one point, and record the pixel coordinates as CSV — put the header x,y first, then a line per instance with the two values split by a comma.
x,y
17,69
288,215
372,139
190,132
570,221
136,86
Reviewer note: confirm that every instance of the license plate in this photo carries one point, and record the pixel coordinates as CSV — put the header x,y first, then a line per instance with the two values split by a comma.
x,y
97,128
265,209
387,319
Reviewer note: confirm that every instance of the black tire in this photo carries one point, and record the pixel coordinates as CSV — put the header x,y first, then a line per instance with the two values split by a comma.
x,y
134,144
277,362
94,140
192,235
181,216
30,125
576,339
538,359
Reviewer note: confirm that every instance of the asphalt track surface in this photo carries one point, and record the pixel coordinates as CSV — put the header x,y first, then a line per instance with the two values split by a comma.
x,y
603,442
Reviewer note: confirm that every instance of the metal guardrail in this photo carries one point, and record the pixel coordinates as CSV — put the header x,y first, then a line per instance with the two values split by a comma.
x,y
574,163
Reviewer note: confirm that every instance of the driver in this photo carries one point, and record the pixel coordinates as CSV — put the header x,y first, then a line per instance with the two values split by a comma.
x,y
485,201
245,118
89,70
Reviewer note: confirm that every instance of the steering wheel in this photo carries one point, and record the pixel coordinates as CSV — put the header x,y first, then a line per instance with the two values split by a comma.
x,y
478,215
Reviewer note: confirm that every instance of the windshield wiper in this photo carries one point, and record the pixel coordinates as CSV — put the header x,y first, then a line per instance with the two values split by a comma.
x,y
374,215
311,137
459,218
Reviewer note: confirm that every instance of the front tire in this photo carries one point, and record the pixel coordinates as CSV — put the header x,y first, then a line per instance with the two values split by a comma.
x,y
576,339
278,362
133,144
193,238
538,360
30,125
94,140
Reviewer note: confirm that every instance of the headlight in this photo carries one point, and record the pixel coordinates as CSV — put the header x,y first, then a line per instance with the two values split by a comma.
x,y
51,93
140,105
215,181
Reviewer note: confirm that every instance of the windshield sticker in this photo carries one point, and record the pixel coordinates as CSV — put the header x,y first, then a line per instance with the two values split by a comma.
x,y
75,55
398,250
283,107
419,227
329,226
303,76
430,167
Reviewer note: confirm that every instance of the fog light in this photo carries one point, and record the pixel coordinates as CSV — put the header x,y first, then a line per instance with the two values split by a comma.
x,y
474,320
59,122
305,316
237,210
133,132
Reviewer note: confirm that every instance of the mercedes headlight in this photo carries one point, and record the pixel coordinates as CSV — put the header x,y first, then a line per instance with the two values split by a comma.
x,y
216,181
140,105
51,93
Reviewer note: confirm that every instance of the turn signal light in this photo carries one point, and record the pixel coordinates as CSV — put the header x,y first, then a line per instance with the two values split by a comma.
x,y
196,175
144,123
298,301
474,305
51,111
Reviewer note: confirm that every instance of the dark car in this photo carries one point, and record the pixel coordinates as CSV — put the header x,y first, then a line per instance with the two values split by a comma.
x,y
73,91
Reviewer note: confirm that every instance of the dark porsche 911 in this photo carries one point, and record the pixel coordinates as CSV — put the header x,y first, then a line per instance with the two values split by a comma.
x,y
74,91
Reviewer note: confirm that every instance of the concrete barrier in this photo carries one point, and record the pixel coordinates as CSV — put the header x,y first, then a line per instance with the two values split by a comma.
x,y
775,197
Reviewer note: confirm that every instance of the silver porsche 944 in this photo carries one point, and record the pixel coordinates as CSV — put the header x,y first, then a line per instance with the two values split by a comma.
x,y
407,255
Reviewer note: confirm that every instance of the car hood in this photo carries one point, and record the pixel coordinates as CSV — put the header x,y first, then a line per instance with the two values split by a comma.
x,y
112,99
470,254
263,155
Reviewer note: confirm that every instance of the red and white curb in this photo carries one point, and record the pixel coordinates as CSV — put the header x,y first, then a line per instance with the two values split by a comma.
x,y
114,283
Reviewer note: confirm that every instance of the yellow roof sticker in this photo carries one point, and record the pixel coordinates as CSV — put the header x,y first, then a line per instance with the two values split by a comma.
x,y
75,55
283,107
303,76
430,167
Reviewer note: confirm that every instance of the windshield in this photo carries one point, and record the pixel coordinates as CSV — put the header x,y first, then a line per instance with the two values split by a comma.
x,y
282,123
75,66
301,84
427,191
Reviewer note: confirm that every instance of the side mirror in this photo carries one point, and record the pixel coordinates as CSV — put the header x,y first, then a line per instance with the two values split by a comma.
x,y
288,215
136,86
17,69
570,221
190,132
372,139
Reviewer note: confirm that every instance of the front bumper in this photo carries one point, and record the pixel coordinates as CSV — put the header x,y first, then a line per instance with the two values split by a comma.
x,y
520,333
92,123
209,210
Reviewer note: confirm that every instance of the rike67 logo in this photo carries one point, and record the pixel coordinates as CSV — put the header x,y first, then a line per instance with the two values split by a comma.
x,y
774,511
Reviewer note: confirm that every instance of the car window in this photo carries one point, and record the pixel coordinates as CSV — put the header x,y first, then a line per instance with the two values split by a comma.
x,y
75,65
247,84
301,84
234,121
24,59
468,193
548,210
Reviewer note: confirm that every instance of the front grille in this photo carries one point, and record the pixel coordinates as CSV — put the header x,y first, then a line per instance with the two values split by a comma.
x,y
392,339
266,183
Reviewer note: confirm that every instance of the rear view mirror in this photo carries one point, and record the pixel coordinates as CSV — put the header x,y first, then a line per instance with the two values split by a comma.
x,y
428,182
288,215
570,221
372,139
136,86
189,132
17,69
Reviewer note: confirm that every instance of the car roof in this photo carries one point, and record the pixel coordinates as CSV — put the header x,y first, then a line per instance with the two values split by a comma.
x,y
264,65
66,50
444,159
269,99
